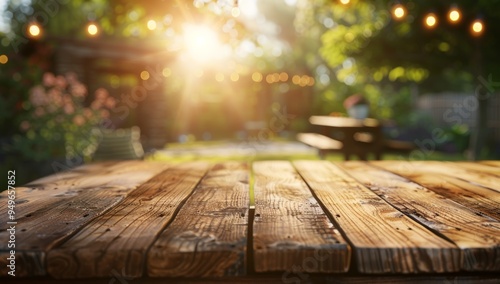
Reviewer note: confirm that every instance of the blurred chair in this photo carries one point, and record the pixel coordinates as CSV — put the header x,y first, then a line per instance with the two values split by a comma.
x,y
118,144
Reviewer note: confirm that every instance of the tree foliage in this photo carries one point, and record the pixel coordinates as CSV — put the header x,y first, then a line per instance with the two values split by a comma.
x,y
386,50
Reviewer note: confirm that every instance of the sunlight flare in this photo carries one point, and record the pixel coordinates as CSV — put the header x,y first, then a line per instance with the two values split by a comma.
x,y
201,42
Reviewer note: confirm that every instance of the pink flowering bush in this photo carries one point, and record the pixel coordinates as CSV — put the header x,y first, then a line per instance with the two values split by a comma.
x,y
58,120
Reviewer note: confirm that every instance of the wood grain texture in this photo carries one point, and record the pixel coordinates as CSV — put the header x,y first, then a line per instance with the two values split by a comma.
x,y
491,163
477,236
44,221
384,240
482,168
209,234
118,240
291,232
452,170
483,200
268,278
56,189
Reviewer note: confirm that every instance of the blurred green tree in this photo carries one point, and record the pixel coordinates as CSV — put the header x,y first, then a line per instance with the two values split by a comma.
x,y
368,45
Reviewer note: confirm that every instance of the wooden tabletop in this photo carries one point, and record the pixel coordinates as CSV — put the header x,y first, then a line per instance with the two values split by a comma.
x,y
348,220
343,122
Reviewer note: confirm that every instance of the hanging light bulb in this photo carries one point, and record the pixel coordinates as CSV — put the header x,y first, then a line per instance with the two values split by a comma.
x,y
34,30
398,12
430,21
454,15
92,29
151,25
477,27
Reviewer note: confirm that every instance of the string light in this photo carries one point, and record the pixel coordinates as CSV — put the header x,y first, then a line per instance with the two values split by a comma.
x,y
34,30
345,2
398,12
430,20
257,77
477,27
454,15
144,75
92,29
235,12
4,59
151,25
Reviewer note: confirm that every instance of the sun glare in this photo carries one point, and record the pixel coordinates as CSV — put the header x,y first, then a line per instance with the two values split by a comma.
x,y
201,42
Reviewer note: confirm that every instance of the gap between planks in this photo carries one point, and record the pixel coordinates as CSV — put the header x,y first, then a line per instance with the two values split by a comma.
x,y
477,236
291,232
119,239
56,207
383,239
208,237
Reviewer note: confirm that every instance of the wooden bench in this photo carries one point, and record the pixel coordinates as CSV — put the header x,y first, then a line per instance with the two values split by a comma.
x,y
351,137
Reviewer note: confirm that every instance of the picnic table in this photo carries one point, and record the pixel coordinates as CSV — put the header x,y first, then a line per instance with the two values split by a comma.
x,y
306,222
351,137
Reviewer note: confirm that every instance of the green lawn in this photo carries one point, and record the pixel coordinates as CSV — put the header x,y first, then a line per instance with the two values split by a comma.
x,y
276,156
429,156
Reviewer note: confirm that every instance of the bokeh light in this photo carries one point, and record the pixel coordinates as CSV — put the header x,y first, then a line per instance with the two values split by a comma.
x,y
235,77
269,78
345,2
34,30
4,59
257,77
283,76
454,15
477,28
151,25
166,72
398,12
144,75
235,12
92,29
219,77
430,20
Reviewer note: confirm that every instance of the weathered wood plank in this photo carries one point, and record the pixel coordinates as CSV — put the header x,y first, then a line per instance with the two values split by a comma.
x,y
55,189
491,163
209,234
291,232
45,221
60,174
384,240
118,240
450,169
477,236
482,168
482,200
268,278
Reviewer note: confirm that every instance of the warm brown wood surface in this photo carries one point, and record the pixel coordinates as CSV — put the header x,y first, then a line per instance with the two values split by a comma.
x,y
491,163
314,221
209,234
291,232
483,200
450,169
118,240
319,141
333,121
481,168
384,240
54,208
477,236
